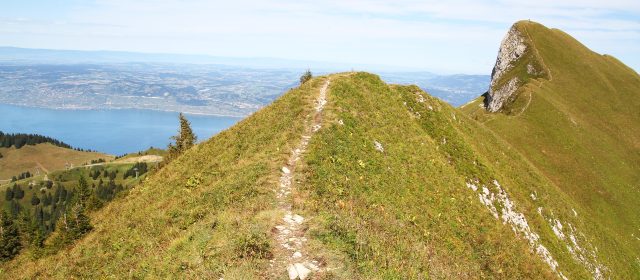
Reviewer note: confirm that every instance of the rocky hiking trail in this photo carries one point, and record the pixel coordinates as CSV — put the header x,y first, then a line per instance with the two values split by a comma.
x,y
290,255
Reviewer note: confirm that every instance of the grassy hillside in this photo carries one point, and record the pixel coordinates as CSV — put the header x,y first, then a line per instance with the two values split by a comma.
x,y
67,179
384,211
405,212
151,153
395,184
206,214
581,128
44,157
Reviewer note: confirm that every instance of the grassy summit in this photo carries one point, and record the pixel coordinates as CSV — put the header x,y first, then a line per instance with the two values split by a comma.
x,y
580,127
395,184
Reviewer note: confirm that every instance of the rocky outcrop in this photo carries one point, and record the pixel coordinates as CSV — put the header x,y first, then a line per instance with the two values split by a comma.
x,y
498,97
511,49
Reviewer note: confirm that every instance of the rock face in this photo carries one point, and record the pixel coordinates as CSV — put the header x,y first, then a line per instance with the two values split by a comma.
x,y
511,49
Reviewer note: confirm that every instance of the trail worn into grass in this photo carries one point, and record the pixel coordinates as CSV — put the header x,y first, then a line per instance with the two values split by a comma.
x,y
289,233
541,81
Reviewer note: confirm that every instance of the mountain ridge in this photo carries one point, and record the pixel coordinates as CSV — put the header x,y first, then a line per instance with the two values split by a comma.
x,y
394,184
580,129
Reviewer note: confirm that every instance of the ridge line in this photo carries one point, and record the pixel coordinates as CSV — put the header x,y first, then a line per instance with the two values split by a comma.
x,y
289,232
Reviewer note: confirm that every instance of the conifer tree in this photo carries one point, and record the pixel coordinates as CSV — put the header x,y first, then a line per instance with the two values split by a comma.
x,y
9,238
81,222
306,76
83,191
188,139
30,232
75,223
35,200
18,193
8,194
46,199
15,208
183,141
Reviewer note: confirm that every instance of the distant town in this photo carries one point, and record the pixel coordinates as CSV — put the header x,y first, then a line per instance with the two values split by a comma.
x,y
195,89
190,88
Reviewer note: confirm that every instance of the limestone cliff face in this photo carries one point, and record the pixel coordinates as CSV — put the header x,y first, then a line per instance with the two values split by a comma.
x,y
512,48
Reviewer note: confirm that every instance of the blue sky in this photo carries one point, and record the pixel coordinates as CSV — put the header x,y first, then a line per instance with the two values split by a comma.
x,y
460,36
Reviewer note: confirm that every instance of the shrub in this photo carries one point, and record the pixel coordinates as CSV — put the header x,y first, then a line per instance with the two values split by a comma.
x,y
194,181
254,245
306,76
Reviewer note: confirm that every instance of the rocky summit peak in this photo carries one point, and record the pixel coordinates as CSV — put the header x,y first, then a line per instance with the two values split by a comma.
x,y
512,48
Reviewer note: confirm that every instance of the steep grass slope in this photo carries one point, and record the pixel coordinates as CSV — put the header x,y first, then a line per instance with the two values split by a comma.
x,y
396,184
423,206
68,178
208,213
45,157
580,127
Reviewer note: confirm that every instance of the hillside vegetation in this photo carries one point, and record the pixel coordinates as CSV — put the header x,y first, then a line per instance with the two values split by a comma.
x,y
208,213
18,140
394,184
580,127
39,203
42,158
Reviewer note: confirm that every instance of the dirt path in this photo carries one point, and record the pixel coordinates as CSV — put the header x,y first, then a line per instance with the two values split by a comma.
x,y
530,92
541,81
290,256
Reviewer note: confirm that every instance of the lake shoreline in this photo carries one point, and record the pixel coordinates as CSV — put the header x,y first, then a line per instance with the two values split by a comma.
x,y
111,131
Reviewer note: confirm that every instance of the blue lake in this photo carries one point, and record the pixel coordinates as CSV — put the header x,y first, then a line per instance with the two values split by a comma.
x,y
111,131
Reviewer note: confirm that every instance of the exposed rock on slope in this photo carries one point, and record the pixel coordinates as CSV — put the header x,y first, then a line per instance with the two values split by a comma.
x,y
394,184
512,49
577,126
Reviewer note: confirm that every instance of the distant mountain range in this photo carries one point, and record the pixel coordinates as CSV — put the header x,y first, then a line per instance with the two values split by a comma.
x,y
453,89
48,56
63,79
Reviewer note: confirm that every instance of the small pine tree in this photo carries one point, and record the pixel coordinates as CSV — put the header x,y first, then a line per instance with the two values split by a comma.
x,y
9,237
46,200
186,133
183,141
81,222
35,200
18,193
83,191
8,194
306,76
15,208
94,202
74,224
30,232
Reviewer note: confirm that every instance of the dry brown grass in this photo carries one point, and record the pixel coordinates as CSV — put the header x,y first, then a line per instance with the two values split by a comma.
x,y
45,157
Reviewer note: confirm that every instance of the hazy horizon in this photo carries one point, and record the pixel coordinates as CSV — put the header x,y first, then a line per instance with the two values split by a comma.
x,y
109,56
453,37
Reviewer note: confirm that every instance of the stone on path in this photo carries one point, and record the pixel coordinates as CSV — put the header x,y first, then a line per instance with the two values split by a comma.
x,y
293,273
303,272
